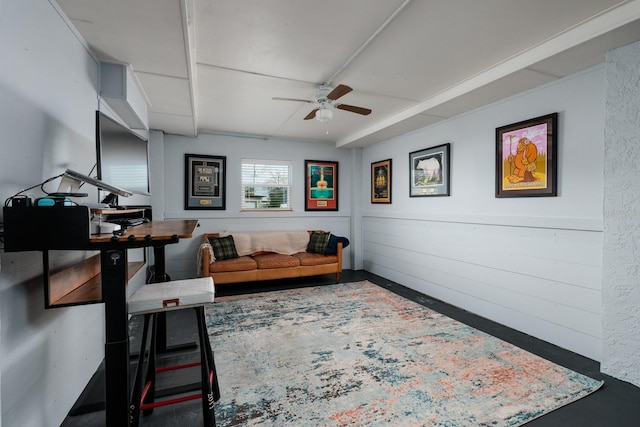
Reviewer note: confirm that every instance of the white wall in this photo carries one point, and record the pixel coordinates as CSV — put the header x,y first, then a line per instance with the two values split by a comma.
x,y
181,257
48,99
621,281
534,264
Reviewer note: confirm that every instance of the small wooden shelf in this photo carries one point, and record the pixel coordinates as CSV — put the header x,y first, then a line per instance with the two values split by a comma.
x,y
113,211
81,283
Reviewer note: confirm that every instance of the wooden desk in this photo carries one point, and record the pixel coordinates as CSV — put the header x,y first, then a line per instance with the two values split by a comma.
x,y
158,230
113,259
68,228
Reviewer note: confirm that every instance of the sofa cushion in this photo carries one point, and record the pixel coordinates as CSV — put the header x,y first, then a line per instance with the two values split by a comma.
x,y
242,263
310,258
272,260
318,242
223,248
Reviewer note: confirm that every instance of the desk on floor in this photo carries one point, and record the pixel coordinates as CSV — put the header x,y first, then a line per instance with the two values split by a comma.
x,y
113,254
68,228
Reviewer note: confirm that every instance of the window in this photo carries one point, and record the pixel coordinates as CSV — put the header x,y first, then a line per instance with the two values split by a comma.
x,y
266,184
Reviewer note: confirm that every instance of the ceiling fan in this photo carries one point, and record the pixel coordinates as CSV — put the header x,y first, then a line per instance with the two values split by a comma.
x,y
326,97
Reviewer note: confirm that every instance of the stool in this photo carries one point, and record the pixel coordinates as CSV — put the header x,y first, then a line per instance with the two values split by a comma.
x,y
161,297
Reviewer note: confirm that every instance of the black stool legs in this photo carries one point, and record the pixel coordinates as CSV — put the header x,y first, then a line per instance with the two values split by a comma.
x,y
209,380
143,368
143,394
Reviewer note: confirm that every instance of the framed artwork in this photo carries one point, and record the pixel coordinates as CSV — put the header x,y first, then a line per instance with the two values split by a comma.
x,y
204,181
321,186
527,159
429,171
381,181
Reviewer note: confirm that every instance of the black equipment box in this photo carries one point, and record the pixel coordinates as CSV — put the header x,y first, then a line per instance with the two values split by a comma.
x,y
39,228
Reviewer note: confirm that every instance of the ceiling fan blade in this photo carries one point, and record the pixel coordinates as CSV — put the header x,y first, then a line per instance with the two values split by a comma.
x,y
277,98
339,91
312,114
353,109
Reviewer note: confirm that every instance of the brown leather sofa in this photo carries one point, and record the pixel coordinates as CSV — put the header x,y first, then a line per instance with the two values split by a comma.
x,y
269,265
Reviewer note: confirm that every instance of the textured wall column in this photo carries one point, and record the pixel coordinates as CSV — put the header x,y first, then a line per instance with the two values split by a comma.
x,y
621,263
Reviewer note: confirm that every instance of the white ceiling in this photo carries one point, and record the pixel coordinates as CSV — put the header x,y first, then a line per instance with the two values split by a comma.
x,y
215,65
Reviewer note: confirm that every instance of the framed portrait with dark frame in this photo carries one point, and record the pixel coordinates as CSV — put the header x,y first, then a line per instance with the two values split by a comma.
x,y
429,171
205,181
527,158
321,185
381,181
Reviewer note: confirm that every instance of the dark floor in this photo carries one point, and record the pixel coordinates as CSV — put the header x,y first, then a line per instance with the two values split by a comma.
x,y
616,404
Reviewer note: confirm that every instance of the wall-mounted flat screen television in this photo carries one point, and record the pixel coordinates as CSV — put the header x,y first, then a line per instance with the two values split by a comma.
x,y
123,158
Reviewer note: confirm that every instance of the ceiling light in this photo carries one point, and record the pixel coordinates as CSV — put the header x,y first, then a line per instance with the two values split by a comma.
x,y
324,115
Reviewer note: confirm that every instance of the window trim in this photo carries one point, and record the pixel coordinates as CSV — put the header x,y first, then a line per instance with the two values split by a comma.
x,y
288,186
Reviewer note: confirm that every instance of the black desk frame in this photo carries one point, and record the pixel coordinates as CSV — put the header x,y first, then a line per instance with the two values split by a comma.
x,y
67,228
114,294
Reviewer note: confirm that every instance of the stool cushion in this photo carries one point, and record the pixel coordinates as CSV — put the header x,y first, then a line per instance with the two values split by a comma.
x,y
173,295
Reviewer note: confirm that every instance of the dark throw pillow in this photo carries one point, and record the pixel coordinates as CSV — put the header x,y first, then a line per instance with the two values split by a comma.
x,y
223,247
332,245
318,242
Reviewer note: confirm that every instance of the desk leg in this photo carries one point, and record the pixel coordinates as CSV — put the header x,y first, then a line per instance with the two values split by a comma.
x,y
116,358
160,270
160,276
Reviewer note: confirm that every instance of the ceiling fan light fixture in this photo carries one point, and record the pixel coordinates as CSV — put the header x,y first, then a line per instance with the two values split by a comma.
x,y
324,115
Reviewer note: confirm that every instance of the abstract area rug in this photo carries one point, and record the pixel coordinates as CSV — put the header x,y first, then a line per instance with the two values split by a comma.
x,y
356,354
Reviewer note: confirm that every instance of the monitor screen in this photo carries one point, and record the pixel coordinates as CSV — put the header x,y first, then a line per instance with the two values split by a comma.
x,y
123,160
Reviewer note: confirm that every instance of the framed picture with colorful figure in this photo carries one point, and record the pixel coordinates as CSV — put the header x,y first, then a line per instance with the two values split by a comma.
x,y
321,185
429,171
527,159
381,181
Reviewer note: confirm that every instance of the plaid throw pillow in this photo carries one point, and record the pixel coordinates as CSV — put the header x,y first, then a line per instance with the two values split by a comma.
x,y
318,242
223,247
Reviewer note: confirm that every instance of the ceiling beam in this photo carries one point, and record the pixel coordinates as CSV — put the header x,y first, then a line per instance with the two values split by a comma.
x,y
596,26
186,11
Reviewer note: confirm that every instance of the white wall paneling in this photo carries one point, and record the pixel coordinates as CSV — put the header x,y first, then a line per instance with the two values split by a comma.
x,y
534,264
485,269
